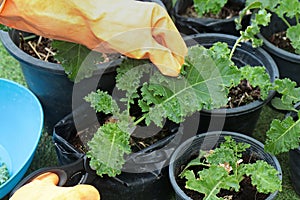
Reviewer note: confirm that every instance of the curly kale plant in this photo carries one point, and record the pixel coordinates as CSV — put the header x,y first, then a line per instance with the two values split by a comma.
x,y
204,83
224,168
284,9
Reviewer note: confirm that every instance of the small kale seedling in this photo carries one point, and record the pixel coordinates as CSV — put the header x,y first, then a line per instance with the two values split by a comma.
x,y
224,168
284,9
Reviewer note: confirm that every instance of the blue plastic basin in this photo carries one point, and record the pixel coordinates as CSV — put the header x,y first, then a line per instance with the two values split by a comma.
x,y
21,123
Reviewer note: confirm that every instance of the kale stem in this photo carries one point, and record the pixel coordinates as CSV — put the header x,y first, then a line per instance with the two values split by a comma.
x,y
235,46
139,120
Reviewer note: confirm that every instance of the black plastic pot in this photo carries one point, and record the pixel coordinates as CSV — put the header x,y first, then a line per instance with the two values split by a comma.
x,y
51,85
208,141
242,119
294,158
144,175
189,25
288,63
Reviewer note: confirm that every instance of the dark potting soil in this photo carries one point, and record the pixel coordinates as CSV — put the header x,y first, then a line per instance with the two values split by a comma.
x,y
142,137
38,47
242,94
281,41
228,11
246,192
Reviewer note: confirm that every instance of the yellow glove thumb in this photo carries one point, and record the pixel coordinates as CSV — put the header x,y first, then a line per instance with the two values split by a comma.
x,y
44,188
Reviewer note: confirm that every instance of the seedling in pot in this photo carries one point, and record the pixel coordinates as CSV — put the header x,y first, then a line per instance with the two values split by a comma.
x,y
284,9
224,168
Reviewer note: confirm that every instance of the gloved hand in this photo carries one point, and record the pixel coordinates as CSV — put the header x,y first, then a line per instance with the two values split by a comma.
x,y
136,29
44,188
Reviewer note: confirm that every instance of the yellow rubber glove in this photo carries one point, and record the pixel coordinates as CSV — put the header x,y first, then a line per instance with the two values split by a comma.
x,y
44,188
136,29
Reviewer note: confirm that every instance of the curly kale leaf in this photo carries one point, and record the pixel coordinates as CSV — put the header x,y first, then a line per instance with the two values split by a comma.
x,y
211,181
289,8
257,77
263,176
293,34
129,75
203,85
4,174
290,93
107,148
262,18
102,102
208,6
283,136
78,61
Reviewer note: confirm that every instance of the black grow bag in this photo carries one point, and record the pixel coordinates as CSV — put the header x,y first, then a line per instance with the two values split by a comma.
x,y
211,140
241,119
190,25
141,184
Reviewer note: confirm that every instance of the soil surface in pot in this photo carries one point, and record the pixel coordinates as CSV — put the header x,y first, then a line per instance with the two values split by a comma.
x,y
281,41
40,47
228,11
142,137
247,191
242,94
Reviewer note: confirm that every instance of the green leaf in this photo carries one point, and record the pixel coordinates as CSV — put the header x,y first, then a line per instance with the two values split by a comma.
x,y
78,61
257,77
282,136
204,85
287,88
262,18
278,104
289,8
129,75
208,6
102,102
294,36
263,176
107,149
211,181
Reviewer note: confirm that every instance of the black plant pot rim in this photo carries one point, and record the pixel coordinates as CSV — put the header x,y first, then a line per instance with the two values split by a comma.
x,y
251,106
189,141
292,57
21,56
